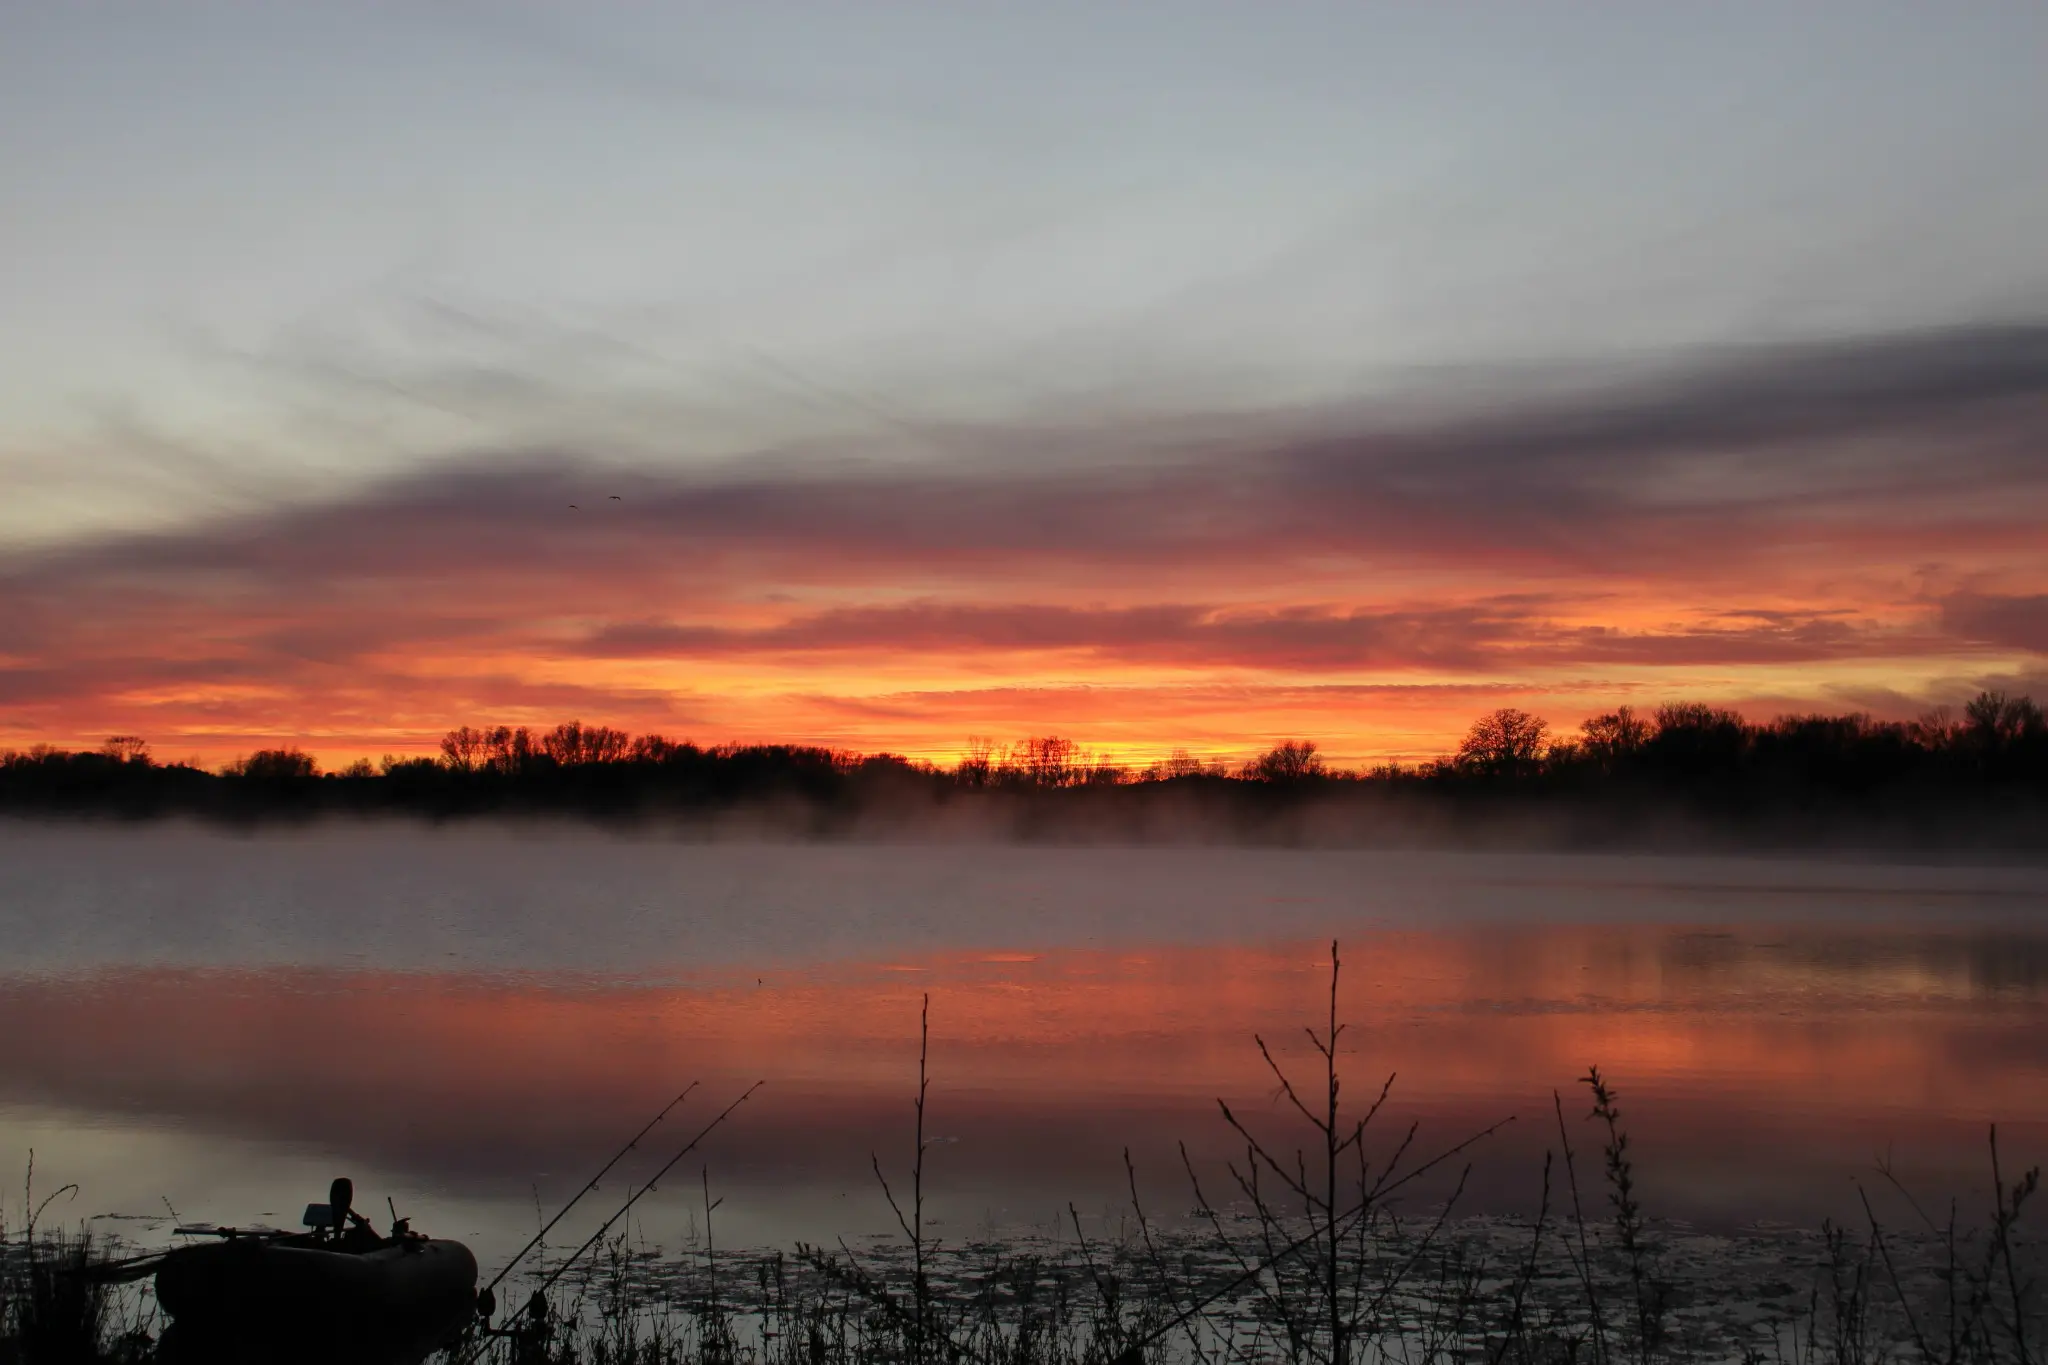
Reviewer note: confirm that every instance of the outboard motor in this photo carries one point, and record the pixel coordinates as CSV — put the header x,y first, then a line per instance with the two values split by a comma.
x,y
341,1198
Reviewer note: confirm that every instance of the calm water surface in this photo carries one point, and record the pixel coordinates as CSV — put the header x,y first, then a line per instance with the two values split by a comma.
x,y
471,1019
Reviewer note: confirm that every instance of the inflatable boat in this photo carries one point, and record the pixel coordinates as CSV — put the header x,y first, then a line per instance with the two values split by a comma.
x,y
337,1292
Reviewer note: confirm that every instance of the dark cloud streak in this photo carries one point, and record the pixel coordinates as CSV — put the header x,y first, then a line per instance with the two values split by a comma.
x,y
2014,622
1925,442
1489,634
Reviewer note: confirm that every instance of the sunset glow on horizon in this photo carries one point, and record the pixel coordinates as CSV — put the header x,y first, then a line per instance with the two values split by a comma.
x,y
882,380
1373,593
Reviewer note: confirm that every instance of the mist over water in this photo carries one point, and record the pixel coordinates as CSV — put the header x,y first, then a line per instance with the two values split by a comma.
x,y
471,1018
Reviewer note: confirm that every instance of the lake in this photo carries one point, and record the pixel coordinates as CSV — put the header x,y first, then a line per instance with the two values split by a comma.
x,y
470,1019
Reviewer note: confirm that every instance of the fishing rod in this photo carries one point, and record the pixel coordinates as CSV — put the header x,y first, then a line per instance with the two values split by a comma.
x,y
540,1236
126,1269
539,1295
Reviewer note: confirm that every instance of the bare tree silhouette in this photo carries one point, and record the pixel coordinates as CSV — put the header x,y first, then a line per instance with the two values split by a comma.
x,y
1613,738
1504,743
1293,760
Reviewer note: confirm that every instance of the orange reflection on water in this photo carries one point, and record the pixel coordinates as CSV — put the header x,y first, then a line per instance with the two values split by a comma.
x,y
1801,1043
1500,1012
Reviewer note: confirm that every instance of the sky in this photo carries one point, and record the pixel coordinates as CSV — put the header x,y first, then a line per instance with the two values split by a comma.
x,y
881,375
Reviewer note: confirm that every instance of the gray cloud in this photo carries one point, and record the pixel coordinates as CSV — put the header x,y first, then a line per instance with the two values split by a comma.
x,y
2014,622
1923,442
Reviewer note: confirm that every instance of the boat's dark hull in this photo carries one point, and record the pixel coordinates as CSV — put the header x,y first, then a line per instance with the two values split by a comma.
x,y
248,1299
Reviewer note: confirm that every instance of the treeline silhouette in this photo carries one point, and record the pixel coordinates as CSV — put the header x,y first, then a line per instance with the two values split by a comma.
x,y
1947,772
